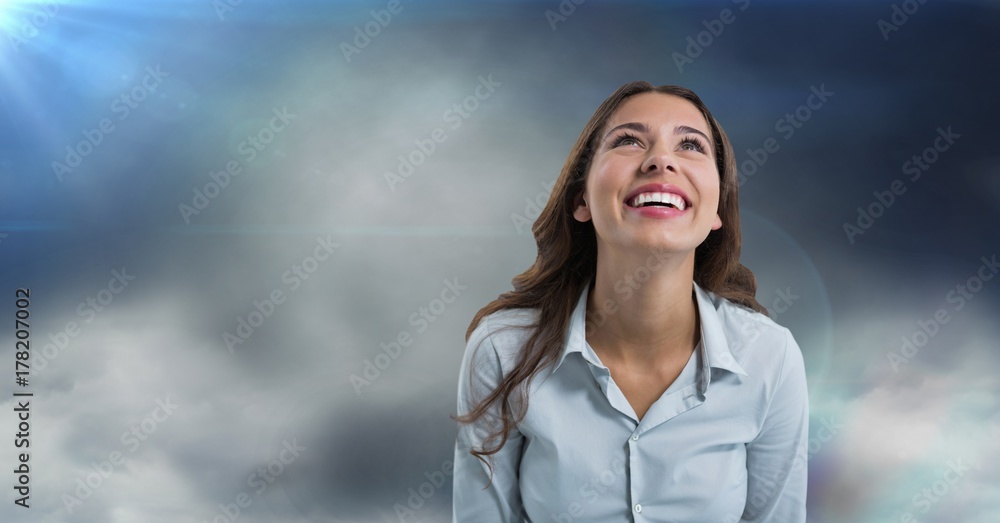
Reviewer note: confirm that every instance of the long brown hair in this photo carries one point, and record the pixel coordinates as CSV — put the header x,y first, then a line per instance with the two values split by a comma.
x,y
567,260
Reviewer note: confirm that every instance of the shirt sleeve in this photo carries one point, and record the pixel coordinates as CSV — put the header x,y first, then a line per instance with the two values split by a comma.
x,y
480,373
777,460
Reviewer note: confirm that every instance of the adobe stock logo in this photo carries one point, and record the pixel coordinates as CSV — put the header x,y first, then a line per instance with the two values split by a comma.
x,y
950,475
957,296
786,126
87,309
590,491
566,9
916,166
250,149
435,480
362,38
225,6
455,116
701,41
260,480
123,105
88,483
900,15
33,21
533,209
293,278
421,319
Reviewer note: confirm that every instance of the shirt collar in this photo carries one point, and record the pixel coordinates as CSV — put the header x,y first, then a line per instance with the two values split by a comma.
x,y
715,347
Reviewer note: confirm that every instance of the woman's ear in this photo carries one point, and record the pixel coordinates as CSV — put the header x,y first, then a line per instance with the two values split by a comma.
x,y
581,211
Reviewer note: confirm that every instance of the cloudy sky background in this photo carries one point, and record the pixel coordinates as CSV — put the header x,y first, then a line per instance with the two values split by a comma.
x,y
322,178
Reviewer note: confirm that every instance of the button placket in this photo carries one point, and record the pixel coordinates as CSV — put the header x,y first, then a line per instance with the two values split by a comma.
x,y
633,468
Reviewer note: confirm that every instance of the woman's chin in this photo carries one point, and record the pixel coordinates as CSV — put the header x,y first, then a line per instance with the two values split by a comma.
x,y
666,246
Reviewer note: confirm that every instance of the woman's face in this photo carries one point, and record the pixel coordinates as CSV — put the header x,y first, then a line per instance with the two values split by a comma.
x,y
664,151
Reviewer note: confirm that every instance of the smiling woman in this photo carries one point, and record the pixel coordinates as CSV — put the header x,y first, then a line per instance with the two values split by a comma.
x,y
638,307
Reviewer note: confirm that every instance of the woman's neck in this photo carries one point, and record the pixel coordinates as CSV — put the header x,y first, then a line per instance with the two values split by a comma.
x,y
641,311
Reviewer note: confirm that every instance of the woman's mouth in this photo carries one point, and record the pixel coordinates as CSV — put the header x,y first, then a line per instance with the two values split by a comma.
x,y
658,205
658,199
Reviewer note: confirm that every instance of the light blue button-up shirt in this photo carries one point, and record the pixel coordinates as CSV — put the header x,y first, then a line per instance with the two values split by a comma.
x,y
725,443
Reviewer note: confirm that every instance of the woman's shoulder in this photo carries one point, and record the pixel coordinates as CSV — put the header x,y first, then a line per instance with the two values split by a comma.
x,y
506,331
739,318
754,338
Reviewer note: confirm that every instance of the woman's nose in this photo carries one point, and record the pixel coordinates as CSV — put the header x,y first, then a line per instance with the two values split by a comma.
x,y
659,159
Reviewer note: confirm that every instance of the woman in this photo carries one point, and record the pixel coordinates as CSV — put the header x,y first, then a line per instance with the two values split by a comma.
x,y
668,394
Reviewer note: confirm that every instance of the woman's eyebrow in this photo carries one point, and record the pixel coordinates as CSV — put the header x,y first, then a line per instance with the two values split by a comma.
x,y
684,129
643,128
635,126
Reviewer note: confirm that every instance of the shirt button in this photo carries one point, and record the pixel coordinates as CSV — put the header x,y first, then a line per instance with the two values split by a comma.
x,y
638,507
635,437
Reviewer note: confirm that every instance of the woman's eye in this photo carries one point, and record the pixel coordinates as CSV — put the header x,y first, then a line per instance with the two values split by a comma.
x,y
692,144
625,138
687,144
